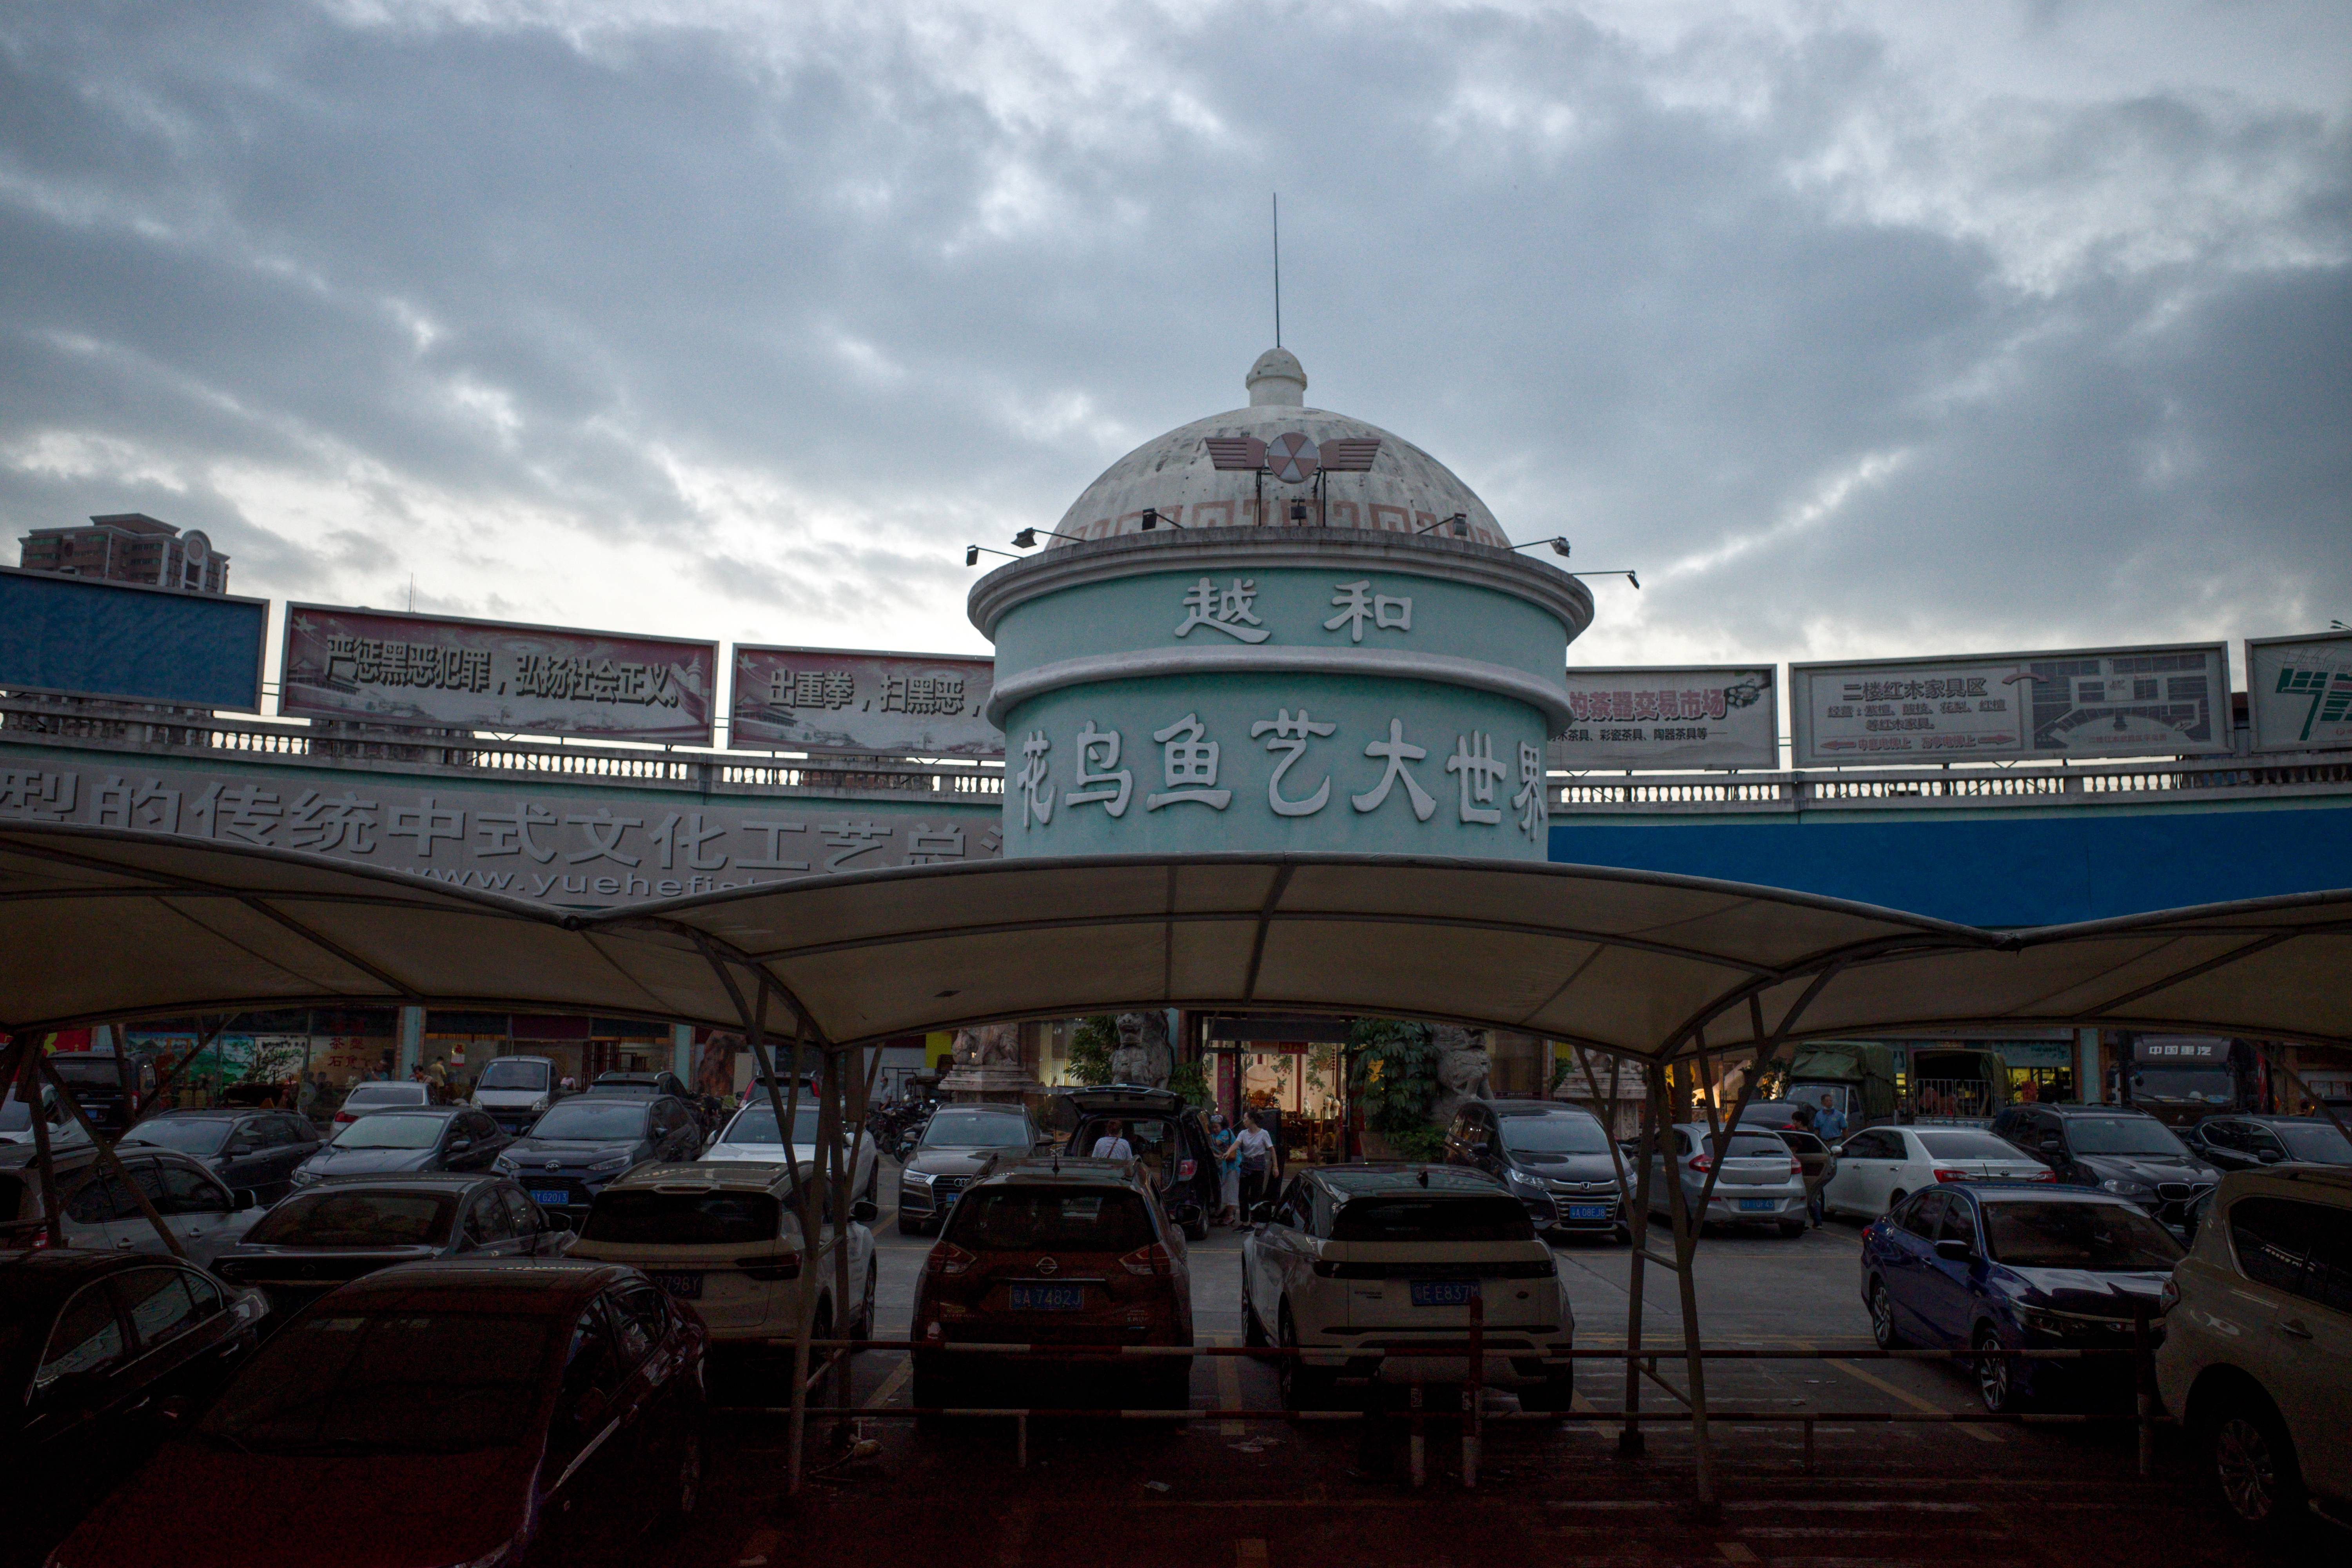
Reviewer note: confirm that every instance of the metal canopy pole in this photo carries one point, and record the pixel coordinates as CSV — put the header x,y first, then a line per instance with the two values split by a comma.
x,y
1630,1440
1685,1236
838,1074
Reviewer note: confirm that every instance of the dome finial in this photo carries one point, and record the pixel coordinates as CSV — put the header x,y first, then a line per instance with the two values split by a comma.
x,y
1277,380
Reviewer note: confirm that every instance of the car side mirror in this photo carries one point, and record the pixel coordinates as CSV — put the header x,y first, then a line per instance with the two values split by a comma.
x,y
557,1219
1261,1213
239,1146
2269,1156
1954,1251
240,1202
864,1211
1481,1148
460,1146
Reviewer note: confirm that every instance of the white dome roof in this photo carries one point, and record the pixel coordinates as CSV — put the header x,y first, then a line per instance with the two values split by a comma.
x,y
1405,491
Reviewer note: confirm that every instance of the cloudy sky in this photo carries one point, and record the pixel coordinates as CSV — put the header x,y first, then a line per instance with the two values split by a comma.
x,y
1910,328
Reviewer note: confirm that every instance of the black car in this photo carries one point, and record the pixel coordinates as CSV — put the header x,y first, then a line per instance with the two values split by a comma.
x,y
1554,1158
653,1085
110,1088
2115,1149
99,1354
408,1139
255,1152
577,1146
1168,1135
2248,1142
336,1231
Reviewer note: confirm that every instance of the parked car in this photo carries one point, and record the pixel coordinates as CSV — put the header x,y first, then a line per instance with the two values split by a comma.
x,y
2022,1266
2257,1353
1763,1183
110,1088
436,1412
339,1230
1554,1158
582,1142
1774,1114
751,1134
98,1211
250,1151
726,1237
16,1121
2114,1149
652,1086
406,1139
957,1142
364,1098
1077,1254
1170,1140
514,1091
101,1351
1352,1260
2249,1142
1878,1167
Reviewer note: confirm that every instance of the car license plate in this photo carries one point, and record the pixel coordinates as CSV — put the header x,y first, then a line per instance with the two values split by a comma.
x,y
685,1287
1445,1293
550,1197
1048,1297
1758,1205
1587,1211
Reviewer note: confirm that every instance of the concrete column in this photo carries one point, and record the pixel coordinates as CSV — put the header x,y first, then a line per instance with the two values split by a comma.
x,y
411,1042
2086,1065
682,1052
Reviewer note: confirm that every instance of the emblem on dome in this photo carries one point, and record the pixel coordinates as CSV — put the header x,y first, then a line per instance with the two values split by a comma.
x,y
1292,458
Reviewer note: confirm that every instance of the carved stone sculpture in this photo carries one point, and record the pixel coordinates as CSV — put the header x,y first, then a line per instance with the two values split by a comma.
x,y
1142,1055
988,1065
989,1045
1462,1066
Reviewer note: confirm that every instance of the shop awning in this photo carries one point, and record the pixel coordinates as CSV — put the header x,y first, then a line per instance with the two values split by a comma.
x,y
99,924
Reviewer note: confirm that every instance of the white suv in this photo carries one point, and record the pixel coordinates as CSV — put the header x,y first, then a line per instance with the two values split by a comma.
x,y
725,1235
1353,1261
2257,1354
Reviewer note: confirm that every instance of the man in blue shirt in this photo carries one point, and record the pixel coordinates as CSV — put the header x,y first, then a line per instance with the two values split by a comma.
x,y
1829,1121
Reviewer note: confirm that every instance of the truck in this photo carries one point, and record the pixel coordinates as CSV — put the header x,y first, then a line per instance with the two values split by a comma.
x,y
1943,1083
2182,1079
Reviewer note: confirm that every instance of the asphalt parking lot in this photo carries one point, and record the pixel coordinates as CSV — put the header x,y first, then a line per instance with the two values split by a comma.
x,y
1249,1493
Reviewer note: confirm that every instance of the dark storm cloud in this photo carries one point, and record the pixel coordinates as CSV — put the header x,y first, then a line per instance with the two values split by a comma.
x,y
746,323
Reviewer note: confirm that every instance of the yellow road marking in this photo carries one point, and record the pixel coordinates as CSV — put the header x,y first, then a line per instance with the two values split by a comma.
x,y
1981,1434
892,1383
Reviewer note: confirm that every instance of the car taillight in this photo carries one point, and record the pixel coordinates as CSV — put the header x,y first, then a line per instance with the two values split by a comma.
x,y
343,1116
1152,1259
2044,1175
1944,1175
1702,1163
948,1258
1184,1169
1796,1167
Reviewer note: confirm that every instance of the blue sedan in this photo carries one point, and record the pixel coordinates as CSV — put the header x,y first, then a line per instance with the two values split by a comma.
x,y
1976,1265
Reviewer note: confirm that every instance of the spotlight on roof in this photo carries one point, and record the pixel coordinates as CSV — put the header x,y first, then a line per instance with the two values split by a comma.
x,y
972,554
1298,511
1634,578
1025,539
1560,547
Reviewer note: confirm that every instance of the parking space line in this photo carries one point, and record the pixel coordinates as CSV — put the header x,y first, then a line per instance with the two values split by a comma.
x,y
1981,1434
892,1383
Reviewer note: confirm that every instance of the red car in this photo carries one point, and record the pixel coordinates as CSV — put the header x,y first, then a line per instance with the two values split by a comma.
x,y
1067,1253
491,1415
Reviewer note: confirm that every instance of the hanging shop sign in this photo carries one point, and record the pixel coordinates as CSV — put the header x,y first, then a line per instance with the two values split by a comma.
x,y
2299,692
2160,701
843,700
1648,717
382,667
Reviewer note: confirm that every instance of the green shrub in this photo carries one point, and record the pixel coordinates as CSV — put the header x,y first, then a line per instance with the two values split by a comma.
x,y
1091,1044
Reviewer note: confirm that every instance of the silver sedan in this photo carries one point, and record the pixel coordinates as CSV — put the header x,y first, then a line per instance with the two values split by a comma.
x,y
1761,1182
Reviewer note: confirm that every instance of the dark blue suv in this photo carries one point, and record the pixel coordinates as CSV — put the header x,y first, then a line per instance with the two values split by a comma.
x,y
2019,1267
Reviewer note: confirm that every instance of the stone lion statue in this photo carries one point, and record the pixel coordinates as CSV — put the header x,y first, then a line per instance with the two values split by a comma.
x,y
1142,1055
990,1045
1462,1066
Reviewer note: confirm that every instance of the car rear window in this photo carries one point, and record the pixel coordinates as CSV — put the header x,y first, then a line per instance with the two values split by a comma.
x,y
684,1219
386,1094
2043,1233
190,1136
357,1219
1411,1217
1966,1146
1067,1219
1752,1146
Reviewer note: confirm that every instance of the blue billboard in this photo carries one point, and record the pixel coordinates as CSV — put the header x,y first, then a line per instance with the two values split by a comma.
x,y
80,637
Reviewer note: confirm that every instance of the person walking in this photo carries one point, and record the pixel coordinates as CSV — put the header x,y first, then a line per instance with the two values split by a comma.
x,y
1223,1141
1113,1144
1259,1163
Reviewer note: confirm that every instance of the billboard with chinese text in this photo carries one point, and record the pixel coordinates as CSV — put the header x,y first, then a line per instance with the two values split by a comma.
x,y
2299,692
1670,718
885,704
80,637
381,667
2169,700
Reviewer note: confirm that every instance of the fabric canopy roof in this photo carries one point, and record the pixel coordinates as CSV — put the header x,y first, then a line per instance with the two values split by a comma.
x,y
99,924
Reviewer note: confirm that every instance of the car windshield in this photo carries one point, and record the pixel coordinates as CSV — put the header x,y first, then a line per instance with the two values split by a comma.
x,y
2046,1233
1966,1146
407,1381
189,1135
342,1218
1088,1219
2122,1135
684,1219
513,1072
1552,1135
1416,1218
757,1124
2320,1145
1752,1146
589,1121
390,1130
976,1129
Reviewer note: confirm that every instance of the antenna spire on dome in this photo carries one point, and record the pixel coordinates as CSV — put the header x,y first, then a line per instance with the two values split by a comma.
x,y
1277,380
